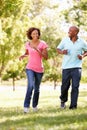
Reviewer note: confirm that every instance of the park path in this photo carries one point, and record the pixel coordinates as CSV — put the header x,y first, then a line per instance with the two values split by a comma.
x,y
43,87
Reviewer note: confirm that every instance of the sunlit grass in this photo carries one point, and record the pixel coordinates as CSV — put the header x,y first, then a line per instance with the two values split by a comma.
x,y
49,116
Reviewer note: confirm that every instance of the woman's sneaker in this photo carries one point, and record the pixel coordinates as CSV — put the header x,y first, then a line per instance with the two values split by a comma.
x,y
26,110
35,109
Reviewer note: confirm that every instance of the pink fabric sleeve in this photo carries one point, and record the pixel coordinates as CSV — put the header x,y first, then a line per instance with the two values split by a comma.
x,y
42,45
45,45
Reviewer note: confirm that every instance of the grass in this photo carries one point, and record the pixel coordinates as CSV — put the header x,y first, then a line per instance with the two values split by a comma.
x,y
49,116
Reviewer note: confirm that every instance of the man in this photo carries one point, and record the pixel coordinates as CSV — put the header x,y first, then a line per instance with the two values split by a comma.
x,y
74,49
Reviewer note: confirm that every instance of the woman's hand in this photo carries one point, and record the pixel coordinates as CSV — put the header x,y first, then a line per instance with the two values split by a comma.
x,y
26,54
21,57
43,53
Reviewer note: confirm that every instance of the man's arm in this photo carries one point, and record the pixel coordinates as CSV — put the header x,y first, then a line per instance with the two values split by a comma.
x,y
83,55
65,52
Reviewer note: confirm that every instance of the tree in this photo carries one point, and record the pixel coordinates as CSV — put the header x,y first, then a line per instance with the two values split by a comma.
x,y
77,14
16,16
12,31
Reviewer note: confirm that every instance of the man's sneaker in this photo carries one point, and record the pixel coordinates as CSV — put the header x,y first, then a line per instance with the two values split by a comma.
x,y
26,110
35,109
73,107
62,105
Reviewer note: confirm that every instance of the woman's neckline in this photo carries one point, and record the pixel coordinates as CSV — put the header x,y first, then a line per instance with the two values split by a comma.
x,y
33,44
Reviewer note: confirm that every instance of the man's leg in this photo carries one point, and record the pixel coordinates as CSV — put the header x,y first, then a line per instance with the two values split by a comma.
x,y
76,76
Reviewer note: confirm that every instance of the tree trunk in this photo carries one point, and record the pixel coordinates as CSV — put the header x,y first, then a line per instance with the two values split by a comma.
x,y
13,84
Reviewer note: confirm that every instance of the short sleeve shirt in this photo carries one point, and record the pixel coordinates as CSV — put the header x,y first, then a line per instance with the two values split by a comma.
x,y
71,60
35,59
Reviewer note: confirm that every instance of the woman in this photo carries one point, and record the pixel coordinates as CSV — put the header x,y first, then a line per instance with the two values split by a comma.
x,y
36,49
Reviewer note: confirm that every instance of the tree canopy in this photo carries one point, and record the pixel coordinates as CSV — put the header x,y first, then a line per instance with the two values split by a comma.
x,y
17,16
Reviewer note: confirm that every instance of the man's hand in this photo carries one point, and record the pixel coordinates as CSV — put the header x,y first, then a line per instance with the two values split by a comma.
x,y
80,57
65,52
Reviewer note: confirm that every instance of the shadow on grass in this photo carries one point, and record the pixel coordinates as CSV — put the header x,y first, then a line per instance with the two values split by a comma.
x,y
45,118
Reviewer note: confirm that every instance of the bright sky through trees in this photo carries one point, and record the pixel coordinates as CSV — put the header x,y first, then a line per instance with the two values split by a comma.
x,y
63,4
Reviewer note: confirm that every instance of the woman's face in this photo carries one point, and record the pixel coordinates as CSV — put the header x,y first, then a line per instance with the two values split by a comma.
x,y
35,35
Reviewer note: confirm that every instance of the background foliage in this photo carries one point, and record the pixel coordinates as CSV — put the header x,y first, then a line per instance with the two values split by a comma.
x,y
17,16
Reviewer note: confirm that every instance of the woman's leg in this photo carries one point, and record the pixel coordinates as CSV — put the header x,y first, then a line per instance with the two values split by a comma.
x,y
30,80
38,77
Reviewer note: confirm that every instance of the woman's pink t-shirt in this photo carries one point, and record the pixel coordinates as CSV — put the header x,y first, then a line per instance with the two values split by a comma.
x,y
35,59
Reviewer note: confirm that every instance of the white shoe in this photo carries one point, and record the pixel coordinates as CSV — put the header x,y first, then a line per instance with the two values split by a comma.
x,y
35,109
26,110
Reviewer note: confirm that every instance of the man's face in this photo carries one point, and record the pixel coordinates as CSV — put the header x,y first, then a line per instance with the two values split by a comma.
x,y
72,32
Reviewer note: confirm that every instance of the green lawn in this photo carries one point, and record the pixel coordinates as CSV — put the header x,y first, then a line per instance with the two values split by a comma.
x,y
49,116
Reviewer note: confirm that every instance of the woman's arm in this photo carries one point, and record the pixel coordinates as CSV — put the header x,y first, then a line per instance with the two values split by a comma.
x,y
26,54
43,53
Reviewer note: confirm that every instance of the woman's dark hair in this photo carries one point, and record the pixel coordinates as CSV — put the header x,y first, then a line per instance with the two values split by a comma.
x,y
30,30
